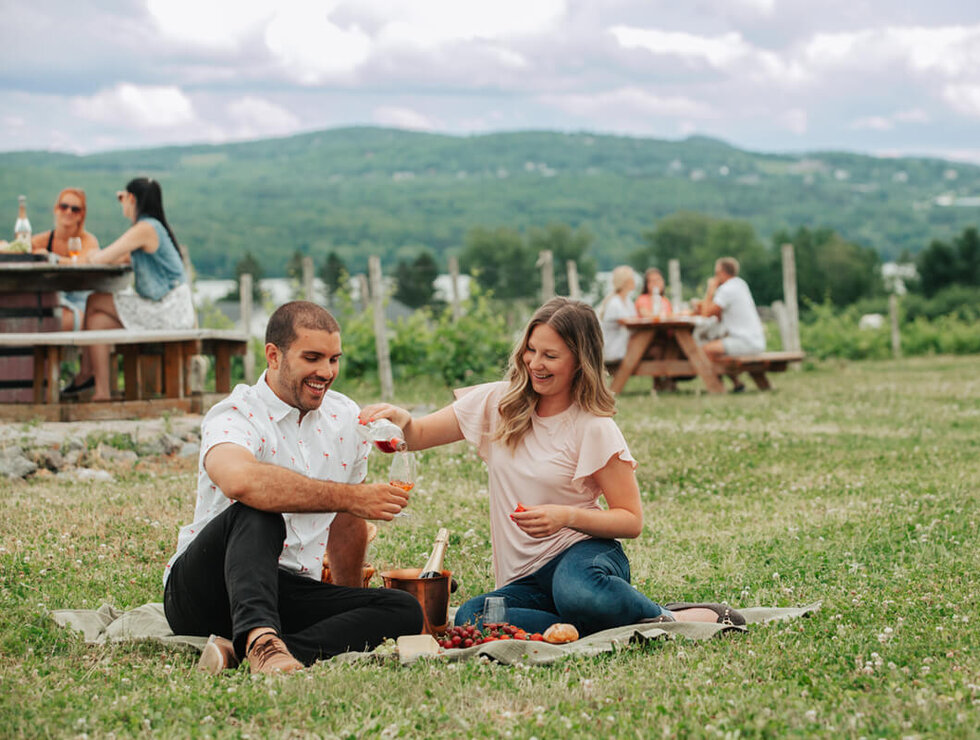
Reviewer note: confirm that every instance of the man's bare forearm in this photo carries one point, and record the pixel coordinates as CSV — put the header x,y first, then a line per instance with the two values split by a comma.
x,y
269,487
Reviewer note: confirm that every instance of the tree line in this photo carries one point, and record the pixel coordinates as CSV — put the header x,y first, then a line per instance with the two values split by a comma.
x,y
502,261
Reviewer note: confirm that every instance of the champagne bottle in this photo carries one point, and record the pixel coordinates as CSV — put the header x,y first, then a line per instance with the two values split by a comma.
x,y
433,566
22,227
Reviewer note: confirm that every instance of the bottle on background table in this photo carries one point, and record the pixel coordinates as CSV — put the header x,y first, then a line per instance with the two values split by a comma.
x,y
22,227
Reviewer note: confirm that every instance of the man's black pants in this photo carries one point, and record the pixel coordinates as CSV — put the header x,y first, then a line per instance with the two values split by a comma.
x,y
228,582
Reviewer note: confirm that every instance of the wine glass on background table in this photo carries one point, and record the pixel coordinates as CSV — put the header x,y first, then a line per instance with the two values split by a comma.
x,y
74,248
402,473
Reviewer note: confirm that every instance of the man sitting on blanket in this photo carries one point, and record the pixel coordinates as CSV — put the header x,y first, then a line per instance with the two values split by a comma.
x,y
729,299
281,482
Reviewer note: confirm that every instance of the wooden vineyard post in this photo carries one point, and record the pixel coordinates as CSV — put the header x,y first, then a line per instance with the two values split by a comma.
x,y
547,264
789,297
307,278
674,276
245,303
893,320
573,290
381,329
454,288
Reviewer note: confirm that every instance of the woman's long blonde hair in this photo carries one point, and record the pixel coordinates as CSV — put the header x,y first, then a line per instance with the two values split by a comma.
x,y
576,323
621,277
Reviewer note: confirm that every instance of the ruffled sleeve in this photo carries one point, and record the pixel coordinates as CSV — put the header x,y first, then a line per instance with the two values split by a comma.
x,y
601,441
476,413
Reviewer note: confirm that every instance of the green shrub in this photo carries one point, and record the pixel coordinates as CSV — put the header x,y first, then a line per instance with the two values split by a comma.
x,y
828,332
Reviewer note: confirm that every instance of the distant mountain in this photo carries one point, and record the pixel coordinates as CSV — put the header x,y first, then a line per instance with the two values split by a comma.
x,y
363,191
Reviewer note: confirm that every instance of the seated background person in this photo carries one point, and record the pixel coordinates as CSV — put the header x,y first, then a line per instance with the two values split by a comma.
x,y
653,284
729,299
616,305
69,221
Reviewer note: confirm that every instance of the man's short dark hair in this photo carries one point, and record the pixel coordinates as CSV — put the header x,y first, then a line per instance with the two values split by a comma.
x,y
283,324
729,265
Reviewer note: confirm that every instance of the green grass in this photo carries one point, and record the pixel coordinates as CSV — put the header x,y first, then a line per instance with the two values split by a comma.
x,y
853,484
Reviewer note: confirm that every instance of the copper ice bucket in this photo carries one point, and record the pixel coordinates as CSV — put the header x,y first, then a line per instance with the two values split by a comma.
x,y
431,593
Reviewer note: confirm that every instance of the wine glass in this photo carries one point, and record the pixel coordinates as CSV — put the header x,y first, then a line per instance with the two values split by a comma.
x,y
74,248
494,610
402,473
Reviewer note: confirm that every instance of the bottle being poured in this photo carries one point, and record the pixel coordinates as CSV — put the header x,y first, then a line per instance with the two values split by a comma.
x,y
433,566
385,435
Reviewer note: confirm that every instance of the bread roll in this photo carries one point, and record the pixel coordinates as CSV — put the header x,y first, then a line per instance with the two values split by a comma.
x,y
560,633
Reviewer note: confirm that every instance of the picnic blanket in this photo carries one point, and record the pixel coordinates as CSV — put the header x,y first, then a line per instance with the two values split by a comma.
x,y
108,625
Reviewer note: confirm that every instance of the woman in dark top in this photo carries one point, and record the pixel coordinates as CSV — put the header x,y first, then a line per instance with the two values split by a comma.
x,y
162,295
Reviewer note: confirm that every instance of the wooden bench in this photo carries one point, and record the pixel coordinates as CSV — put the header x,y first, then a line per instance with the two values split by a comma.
x,y
758,365
176,347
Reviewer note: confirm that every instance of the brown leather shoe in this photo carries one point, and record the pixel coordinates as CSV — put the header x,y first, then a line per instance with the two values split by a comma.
x,y
218,654
269,654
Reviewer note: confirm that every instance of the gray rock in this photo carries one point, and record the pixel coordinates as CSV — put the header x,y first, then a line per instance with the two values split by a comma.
x,y
171,444
72,457
13,463
111,454
88,474
48,458
72,444
189,449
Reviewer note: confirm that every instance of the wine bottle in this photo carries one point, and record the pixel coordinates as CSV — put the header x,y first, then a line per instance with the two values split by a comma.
x,y
433,566
22,227
385,434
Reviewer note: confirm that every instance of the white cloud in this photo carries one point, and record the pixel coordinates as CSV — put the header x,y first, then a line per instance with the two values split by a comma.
x,y
253,116
889,122
963,98
913,115
728,52
429,23
310,47
629,101
404,118
219,24
947,51
145,106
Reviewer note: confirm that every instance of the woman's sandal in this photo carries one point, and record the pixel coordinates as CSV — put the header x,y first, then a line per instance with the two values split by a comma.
x,y
726,615
662,619
75,390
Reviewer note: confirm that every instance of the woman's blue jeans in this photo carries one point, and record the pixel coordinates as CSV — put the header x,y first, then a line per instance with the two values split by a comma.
x,y
587,585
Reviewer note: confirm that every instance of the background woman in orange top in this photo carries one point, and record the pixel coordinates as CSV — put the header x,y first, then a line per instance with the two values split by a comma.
x,y
653,280
69,221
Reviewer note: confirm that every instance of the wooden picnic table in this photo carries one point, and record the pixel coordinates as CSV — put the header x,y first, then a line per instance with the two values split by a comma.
x,y
45,277
664,348
29,287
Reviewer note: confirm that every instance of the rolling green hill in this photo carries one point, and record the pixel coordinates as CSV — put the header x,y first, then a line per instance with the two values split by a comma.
x,y
363,191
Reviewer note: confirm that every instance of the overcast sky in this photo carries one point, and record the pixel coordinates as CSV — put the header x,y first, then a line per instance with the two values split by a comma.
x,y
877,76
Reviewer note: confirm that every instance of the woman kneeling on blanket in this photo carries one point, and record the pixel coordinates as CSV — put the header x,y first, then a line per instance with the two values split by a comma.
x,y
552,449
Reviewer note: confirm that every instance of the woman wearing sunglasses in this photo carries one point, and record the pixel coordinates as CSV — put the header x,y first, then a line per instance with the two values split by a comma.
x,y
69,222
161,298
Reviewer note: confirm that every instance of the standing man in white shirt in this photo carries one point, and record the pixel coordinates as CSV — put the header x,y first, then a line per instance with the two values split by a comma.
x,y
281,483
729,299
